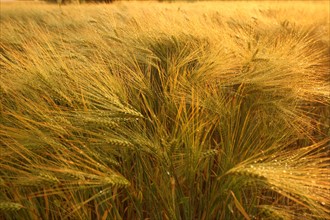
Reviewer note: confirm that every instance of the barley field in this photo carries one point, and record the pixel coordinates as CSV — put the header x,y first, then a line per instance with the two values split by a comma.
x,y
165,111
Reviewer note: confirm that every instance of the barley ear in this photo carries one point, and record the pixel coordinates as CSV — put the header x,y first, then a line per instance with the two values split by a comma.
x,y
10,206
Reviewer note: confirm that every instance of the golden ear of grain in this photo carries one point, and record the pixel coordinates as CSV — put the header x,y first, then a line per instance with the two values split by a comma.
x,y
116,180
49,178
210,153
70,174
298,175
120,143
131,113
10,206
101,121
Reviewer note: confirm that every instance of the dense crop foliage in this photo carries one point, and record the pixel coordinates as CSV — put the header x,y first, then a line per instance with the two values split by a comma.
x,y
165,111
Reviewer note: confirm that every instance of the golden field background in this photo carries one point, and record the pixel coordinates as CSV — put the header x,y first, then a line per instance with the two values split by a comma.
x,y
157,110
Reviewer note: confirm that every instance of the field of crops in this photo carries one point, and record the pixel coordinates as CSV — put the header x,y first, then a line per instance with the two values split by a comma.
x,y
148,110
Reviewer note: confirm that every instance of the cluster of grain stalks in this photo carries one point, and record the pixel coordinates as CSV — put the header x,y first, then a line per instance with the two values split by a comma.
x,y
165,111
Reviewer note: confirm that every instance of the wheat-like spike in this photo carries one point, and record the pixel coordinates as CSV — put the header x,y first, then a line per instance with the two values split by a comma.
x,y
94,180
209,153
102,121
10,206
33,181
49,178
123,120
248,173
72,175
130,112
275,212
119,143
112,161
108,159
91,177
116,180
